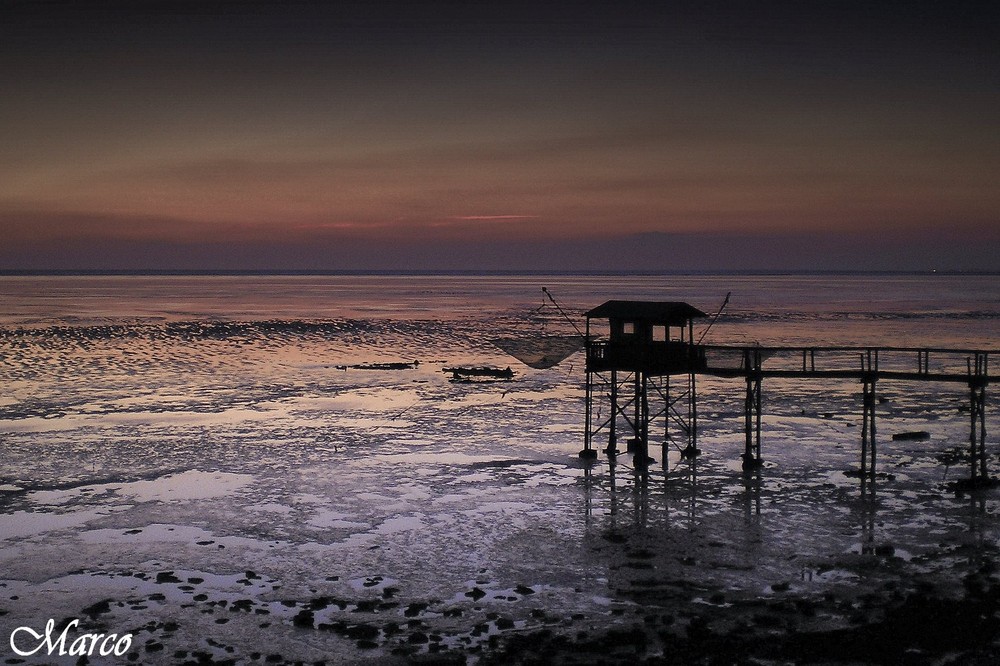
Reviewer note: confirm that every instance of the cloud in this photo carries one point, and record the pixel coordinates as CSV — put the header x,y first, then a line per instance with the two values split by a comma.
x,y
490,218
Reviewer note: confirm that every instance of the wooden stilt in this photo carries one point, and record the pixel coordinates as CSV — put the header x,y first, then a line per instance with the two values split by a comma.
x,y
588,405
751,411
665,450
977,413
641,457
613,431
869,375
693,410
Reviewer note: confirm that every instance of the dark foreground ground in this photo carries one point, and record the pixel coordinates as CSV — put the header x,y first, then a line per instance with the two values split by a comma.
x,y
917,629
887,615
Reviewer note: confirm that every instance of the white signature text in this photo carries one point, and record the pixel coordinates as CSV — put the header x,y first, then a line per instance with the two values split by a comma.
x,y
25,641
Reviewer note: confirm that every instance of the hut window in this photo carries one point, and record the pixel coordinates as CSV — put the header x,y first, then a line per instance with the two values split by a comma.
x,y
628,328
659,334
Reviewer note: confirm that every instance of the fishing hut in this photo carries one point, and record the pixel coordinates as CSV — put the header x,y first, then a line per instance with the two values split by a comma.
x,y
634,348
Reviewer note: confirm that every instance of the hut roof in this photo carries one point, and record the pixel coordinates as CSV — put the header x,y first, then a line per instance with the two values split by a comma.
x,y
666,313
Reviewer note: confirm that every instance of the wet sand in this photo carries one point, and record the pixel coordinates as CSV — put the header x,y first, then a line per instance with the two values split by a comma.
x,y
528,562
226,493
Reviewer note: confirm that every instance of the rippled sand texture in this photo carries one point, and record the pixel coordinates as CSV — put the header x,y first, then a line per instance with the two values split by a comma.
x,y
221,486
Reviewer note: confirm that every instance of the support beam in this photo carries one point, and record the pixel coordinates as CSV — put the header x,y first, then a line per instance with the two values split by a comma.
x,y
869,375
693,411
612,449
637,421
977,411
751,411
665,394
641,458
588,452
691,451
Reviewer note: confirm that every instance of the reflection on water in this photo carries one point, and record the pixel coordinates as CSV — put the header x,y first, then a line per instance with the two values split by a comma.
x,y
817,537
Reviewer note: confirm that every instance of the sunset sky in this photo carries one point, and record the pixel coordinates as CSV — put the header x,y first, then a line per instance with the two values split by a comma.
x,y
462,135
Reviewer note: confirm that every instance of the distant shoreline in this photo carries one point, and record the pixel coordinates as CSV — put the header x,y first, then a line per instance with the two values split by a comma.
x,y
466,273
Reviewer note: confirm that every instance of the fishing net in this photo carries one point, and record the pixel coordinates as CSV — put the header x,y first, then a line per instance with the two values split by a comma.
x,y
541,352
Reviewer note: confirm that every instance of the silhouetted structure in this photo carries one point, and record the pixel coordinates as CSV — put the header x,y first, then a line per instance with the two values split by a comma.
x,y
647,342
643,344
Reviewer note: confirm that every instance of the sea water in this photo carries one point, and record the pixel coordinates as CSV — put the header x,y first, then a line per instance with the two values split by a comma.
x,y
211,455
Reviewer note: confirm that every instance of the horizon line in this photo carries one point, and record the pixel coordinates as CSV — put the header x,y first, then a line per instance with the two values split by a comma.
x,y
208,272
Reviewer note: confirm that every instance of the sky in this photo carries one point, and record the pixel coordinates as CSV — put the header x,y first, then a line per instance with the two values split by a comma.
x,y
670,135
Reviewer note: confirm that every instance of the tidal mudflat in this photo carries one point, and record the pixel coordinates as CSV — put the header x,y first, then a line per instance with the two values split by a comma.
x,y
229,487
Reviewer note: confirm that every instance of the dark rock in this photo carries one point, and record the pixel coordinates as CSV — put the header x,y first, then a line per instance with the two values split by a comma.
x,y
367,605
362,632
318,603
99,608
416,608
338,627
915,435
304,618
241,605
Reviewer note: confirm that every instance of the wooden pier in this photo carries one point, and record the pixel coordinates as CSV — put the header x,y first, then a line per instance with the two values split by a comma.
x,y
648,363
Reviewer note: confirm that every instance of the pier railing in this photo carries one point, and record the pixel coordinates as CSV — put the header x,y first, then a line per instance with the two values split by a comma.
x,y
659,357
906,363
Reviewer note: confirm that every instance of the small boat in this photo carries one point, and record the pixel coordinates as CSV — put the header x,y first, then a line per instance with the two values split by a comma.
x,y
460,374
